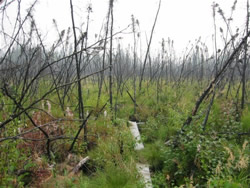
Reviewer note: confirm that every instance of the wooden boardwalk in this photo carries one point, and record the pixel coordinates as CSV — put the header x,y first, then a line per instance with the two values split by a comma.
x,y
143,169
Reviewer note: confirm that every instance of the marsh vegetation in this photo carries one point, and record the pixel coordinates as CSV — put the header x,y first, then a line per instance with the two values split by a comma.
x,y
72,100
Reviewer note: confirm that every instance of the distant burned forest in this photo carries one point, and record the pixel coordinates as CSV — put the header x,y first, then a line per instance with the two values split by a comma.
x,y
73,98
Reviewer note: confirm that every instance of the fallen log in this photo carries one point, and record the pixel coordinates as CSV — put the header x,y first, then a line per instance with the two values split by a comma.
x,y
80,164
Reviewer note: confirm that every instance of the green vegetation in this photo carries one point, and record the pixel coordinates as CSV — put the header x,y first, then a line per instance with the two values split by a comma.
x,y
64,108
216,157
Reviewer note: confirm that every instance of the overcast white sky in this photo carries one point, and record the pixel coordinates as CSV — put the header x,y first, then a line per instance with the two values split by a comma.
x,y
181,20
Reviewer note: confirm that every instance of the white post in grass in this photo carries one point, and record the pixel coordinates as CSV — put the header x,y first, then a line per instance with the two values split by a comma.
x,y
49,106
105,113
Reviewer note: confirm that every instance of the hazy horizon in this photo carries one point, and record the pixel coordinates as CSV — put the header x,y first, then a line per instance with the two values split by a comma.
x,y
181,21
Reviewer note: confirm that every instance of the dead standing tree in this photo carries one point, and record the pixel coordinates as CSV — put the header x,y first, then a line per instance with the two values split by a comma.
x,y
111,4
78,66
134,57
148,47
245,62
109,29
78,73
103,57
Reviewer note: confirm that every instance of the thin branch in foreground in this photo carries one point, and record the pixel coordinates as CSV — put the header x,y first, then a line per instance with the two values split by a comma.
x,y
84,123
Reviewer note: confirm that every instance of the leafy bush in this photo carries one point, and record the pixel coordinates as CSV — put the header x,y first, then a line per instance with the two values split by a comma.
x,y
205,157
16,171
